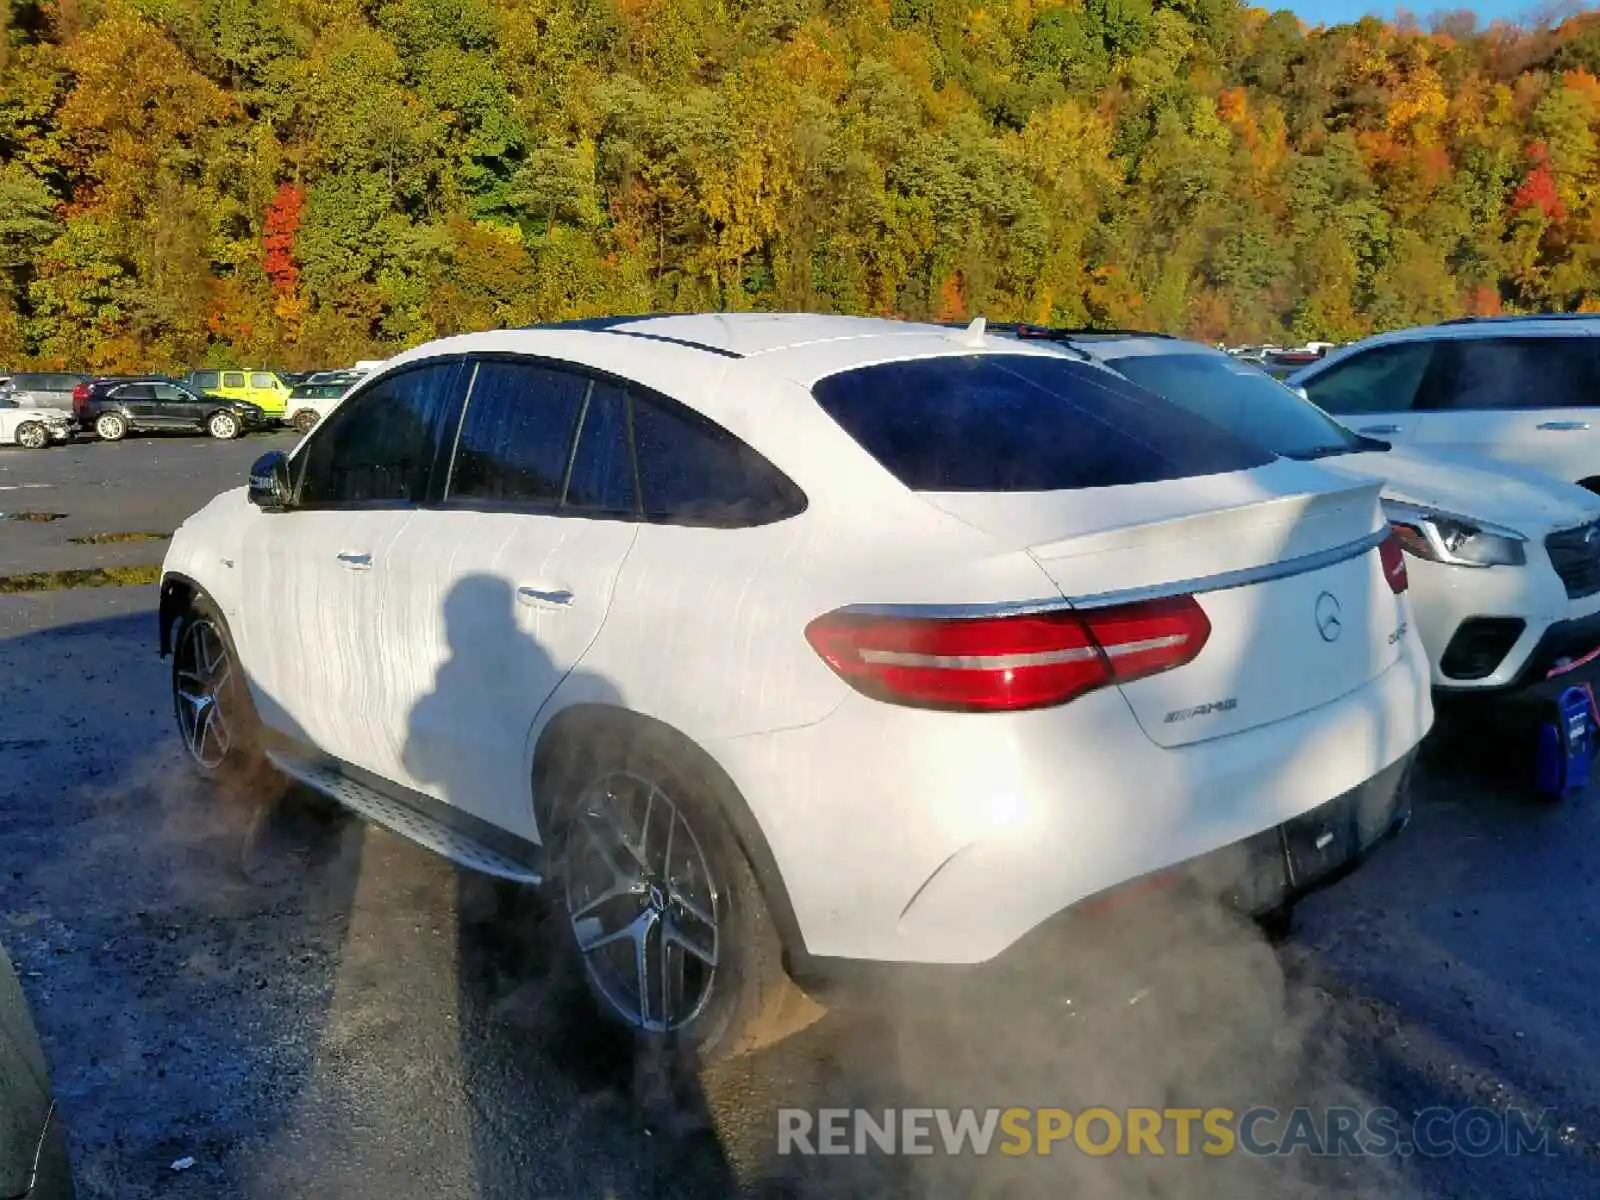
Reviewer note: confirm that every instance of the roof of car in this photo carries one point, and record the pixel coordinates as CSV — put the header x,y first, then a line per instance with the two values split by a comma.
x,y
689,354
743,335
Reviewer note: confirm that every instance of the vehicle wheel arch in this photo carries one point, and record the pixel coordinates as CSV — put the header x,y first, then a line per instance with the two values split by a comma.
x,y
584,722
178,594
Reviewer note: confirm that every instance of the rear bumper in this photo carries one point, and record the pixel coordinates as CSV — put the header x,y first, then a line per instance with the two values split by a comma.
x,y
1251,877
900,835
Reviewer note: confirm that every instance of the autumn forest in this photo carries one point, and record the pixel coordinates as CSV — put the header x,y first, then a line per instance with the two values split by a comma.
x,y
307,182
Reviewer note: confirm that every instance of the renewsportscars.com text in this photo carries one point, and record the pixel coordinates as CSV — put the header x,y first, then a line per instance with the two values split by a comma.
x,y
1179,1132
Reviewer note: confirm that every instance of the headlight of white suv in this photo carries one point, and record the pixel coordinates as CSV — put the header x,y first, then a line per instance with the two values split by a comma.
x,y
1459,541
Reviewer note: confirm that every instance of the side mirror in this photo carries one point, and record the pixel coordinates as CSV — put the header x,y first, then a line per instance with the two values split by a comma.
x,y
269,482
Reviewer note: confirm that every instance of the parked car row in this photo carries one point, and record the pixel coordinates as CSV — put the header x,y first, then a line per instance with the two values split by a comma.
x,y
41,409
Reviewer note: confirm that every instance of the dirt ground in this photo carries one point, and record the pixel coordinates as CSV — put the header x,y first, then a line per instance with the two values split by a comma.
x,y
339,1014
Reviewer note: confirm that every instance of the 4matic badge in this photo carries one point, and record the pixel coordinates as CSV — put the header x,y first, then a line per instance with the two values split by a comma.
x,y
1201,710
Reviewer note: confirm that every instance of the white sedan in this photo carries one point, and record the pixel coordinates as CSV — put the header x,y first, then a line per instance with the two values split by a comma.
x,y
1505,561
33,428
786,646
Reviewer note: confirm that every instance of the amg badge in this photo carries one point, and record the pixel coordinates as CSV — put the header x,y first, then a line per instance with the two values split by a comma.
x,y
1202,710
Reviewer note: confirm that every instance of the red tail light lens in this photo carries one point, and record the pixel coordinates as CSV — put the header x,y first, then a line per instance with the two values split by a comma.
x,y
1002,664
1394,563
80,396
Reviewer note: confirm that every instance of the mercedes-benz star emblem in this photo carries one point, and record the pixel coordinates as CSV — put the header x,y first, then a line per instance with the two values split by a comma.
x,y
1330,618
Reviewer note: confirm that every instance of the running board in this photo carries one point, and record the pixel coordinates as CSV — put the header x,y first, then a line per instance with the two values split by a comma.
x,y
426,831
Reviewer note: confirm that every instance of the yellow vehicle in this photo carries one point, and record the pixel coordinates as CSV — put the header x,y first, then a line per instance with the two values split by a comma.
x,y
262,388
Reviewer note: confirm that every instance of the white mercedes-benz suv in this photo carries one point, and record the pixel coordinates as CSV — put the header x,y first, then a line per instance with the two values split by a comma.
x,y
778,644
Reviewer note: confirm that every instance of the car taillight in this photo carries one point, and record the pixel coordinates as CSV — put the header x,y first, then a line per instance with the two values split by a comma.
x,y
80,396
1393,558
1005,663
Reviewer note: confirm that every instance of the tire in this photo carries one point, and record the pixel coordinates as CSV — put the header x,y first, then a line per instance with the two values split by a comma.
x,y
32,436
111,427
305,421
216,718
737,1001
223,426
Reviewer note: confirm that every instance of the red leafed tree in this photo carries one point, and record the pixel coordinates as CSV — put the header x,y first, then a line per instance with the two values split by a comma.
x,y
283,222
1538,188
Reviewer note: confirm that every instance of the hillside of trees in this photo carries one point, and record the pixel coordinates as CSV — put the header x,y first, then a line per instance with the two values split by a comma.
x,y
305,182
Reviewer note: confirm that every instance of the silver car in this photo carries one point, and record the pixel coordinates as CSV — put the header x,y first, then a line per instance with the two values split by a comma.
x,y
43,389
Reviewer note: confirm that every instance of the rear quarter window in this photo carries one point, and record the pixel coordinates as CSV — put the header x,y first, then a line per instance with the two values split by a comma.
x,y
1023,423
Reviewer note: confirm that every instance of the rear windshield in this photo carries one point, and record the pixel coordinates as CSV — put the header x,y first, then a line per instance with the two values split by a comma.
x,y
1239,397
1022,423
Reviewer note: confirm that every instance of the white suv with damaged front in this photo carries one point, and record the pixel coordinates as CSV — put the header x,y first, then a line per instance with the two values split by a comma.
x,y
785,648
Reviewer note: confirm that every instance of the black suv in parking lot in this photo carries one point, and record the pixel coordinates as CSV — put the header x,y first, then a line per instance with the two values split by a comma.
x,y
114,407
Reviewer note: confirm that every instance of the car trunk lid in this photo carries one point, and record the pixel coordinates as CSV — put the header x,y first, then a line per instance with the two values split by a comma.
x,y
1282,559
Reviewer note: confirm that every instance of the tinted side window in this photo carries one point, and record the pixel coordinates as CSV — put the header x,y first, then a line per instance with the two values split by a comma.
x,y
382,447
233,379
602,467
206,379
1023,423
516,438
1384,379
695,472
135,391
1489,373
263,380
171,393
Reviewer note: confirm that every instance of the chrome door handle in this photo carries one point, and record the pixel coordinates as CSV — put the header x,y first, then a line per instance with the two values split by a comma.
x,y
555,596
1564,425
1379,429
356,562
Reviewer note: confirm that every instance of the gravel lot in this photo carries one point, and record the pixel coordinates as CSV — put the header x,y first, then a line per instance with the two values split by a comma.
x,y
338,1014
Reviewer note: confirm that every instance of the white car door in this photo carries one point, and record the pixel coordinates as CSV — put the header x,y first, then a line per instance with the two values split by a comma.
x,y
498,592
320,576
1375,391
1525,400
